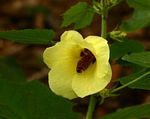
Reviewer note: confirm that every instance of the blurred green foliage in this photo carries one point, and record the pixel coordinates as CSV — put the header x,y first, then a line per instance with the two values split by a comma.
x,y
30,36
143,83
140,17
22,99
141,58
134,112
119,49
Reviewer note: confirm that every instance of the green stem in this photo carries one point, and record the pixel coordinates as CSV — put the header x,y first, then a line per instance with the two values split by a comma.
x,y
104,19
93,99
91,107
131,82
103,26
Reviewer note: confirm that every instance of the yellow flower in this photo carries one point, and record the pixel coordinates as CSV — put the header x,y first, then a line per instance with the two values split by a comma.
x,y
79,67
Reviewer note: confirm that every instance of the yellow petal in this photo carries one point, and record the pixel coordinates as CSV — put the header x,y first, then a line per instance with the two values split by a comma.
x,y
51,55
98,75
91,81
71,36
100,47
68,47
62,59
60,79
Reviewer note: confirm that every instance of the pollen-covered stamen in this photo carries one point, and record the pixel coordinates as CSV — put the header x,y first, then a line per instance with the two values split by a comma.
x,y
86,59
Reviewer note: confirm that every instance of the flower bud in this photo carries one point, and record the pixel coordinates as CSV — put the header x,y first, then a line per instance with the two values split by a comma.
x,y
117,35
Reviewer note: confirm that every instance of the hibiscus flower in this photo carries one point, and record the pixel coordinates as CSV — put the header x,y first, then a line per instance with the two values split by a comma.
x,y
79,67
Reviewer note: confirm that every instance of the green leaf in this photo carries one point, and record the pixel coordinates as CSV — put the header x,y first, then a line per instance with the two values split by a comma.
x,y
33,100
140,17
141,58
139,4
30,36
143,83
80,14
10,70
119,49
7,113
134,112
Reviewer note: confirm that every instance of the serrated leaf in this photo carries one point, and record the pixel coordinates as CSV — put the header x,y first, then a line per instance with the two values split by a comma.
x,y
141,58
134,112
80,14
10,70
119,49
30,36
33,100
140,17
143,83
